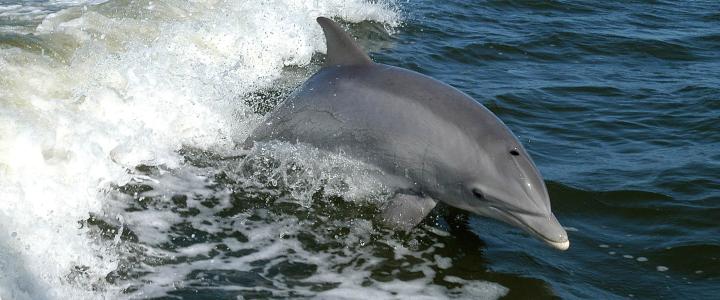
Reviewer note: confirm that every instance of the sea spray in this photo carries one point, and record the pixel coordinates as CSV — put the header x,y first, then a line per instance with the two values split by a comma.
x,y
104,88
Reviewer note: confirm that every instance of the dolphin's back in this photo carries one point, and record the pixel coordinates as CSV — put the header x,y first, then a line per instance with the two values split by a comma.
x,y
393,118
388,116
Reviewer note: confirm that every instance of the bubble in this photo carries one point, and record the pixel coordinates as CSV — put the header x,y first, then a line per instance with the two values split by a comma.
x,y
443,262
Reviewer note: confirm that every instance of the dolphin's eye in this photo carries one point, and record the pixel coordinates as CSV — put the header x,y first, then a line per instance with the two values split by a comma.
x,y
514,152
478,193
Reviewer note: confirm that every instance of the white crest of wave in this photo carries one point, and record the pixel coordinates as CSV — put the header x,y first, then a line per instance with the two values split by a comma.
x,y
123,83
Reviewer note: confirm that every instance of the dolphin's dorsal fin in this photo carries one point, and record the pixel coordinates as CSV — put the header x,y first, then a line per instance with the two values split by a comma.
x,y
341,48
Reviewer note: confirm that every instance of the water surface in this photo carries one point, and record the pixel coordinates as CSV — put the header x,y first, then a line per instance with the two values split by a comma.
x,y
120,176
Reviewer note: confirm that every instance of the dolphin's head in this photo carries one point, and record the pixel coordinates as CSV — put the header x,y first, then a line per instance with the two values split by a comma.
x,y
507,186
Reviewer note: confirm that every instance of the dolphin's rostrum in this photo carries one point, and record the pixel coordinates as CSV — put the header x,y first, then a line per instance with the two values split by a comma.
x,y
433,142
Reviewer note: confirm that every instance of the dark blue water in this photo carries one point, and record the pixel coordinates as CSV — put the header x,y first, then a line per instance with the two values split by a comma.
x,y
618,103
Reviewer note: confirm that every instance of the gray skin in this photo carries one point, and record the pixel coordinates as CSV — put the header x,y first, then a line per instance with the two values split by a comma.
x,y
432,142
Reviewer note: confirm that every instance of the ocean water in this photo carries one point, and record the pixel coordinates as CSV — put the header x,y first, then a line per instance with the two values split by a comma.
x,y
120,174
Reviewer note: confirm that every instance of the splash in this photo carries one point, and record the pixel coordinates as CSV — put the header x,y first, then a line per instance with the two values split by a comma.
x,y
279,220
97,90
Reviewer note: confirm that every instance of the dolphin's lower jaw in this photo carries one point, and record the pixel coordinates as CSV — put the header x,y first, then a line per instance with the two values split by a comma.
x,y
559,245
545,228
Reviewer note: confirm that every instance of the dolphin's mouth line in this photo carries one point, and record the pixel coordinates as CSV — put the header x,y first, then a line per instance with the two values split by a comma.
x,y
557,244
515,210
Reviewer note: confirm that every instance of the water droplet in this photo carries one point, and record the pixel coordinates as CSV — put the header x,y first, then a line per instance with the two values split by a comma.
x,y
662,268
604,246
642,258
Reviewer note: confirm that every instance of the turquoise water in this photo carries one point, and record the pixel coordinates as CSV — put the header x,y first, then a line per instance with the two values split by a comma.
x,y
119,123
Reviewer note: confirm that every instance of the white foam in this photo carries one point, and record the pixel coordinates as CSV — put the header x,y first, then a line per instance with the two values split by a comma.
x,y
478,289
117,87
272,238
443,262
23,16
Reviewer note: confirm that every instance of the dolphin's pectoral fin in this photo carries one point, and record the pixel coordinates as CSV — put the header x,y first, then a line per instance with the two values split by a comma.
x,y
406,211
341,48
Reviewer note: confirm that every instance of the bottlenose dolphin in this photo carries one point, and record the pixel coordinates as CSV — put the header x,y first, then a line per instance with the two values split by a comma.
x,y
433,142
